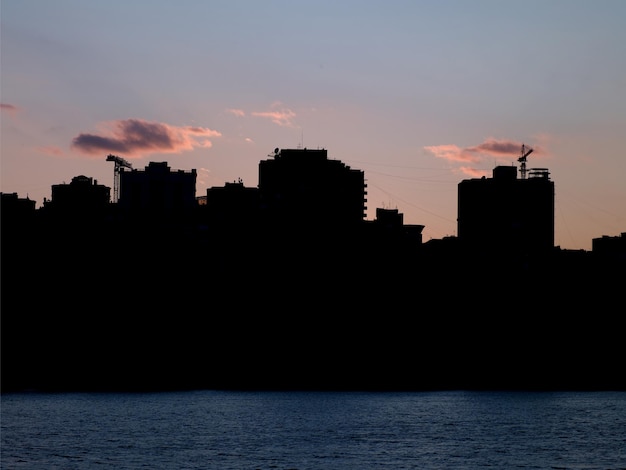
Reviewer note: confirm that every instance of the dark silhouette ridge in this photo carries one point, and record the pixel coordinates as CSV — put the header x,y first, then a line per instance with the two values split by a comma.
x,y
287,286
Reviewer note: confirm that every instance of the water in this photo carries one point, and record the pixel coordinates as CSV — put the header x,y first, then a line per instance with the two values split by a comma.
x,y
314,430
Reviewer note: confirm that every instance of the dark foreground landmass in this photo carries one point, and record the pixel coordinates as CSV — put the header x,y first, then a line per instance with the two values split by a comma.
x,y
113,316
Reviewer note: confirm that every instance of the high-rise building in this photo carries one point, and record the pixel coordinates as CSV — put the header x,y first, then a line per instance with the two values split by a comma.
x,y
157,189
507,213
304,186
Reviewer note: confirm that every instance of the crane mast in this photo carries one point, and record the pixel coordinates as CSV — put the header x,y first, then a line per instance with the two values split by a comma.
x,y
522,159
120,164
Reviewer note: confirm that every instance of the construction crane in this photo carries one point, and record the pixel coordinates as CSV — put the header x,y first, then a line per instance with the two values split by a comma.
x,y
120,164
525,152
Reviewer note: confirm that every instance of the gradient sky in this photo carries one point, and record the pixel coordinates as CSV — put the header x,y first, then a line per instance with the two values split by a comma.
x,y
418,94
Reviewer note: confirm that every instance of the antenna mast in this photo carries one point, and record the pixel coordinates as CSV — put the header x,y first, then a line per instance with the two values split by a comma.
x,y
525,152
301,144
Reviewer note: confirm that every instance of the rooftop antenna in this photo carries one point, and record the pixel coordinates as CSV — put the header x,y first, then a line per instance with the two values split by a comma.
x,y
522,159
301,144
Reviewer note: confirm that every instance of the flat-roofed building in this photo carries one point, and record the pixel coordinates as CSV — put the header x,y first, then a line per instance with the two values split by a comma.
x,y
506,213
304,186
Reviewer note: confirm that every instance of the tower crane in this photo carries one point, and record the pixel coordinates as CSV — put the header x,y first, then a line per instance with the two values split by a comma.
x,y
522,159
120,164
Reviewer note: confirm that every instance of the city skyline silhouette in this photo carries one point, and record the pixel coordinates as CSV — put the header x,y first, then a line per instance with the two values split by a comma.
x,y
287,285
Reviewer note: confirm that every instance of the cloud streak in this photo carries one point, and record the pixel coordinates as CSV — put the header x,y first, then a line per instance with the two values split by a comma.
x,y
236,112
137,137
277,113
489,149
283,117
8,108
51,150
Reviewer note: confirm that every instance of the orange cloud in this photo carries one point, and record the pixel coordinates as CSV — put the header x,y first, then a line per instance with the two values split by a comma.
x,y
136,137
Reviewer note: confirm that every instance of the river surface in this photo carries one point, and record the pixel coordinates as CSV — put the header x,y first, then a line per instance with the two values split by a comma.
x,y
314,430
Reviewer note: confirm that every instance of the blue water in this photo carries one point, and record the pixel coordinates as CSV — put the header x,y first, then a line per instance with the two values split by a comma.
x,y
314,430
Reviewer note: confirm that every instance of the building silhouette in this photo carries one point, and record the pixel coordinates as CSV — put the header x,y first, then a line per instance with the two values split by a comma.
x,y
82,197
76,208
507,214
231,205
15,209
304,186
157,190
610,248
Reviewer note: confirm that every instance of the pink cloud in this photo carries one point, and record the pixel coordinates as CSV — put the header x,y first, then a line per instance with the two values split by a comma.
x,y
51,150
278,115
136,137
473,172
203,176
9,108
237,112
497,148
490,148
453,153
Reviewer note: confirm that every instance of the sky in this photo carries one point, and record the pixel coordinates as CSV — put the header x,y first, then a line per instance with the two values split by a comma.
x,y
417,94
